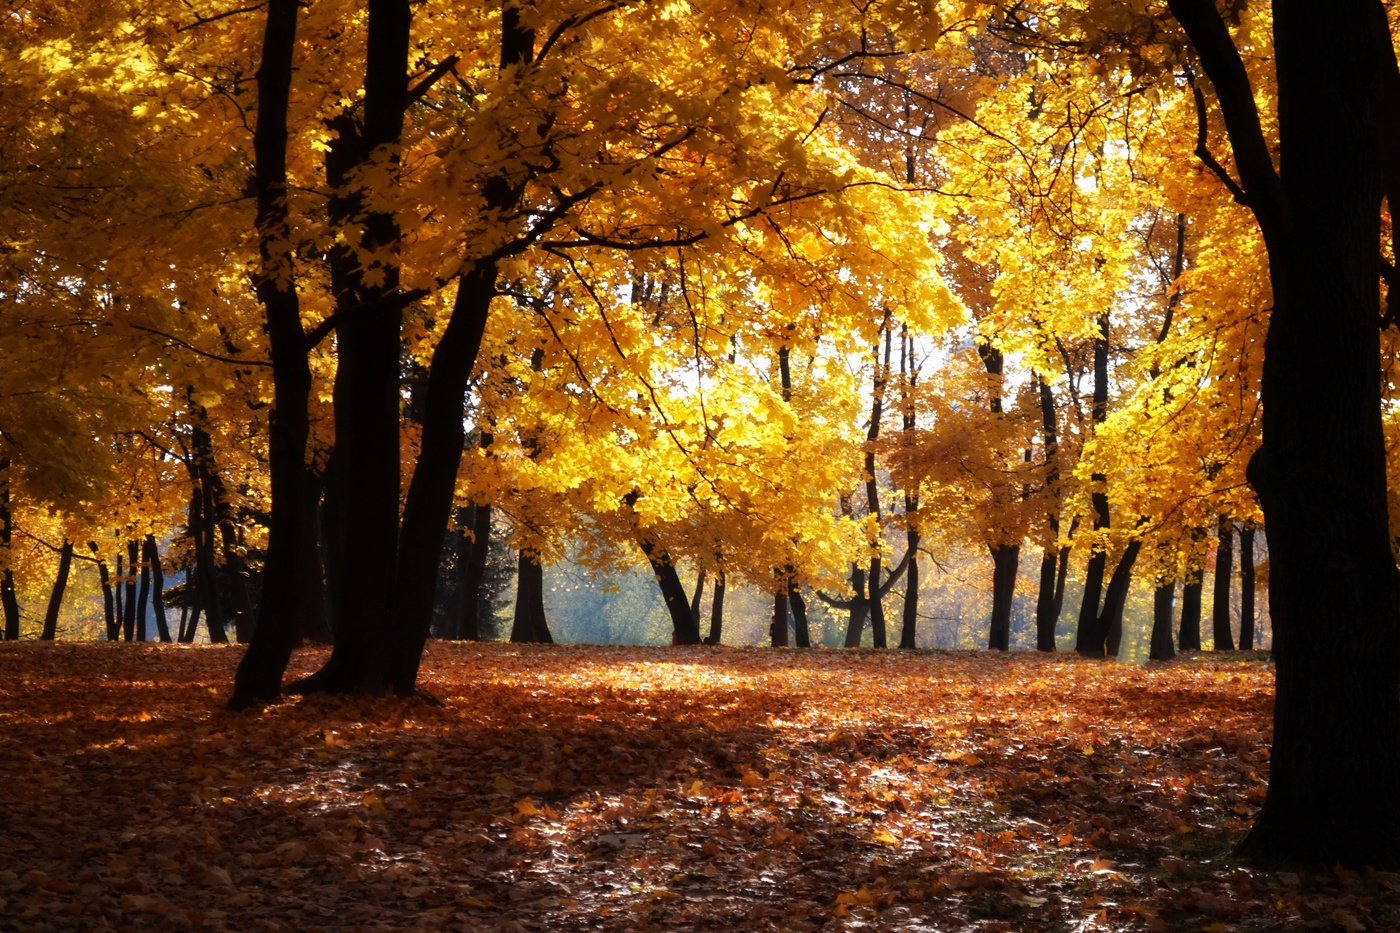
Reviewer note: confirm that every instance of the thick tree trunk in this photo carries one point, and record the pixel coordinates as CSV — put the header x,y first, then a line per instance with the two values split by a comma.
x,y
1224,569
860,608
1320,474
312,617
60,583
877,606
778,622
698,596
530,622
801,634
1162,598
1247,587
685,630
1006,560
717,612
259,676
909,629
1116,597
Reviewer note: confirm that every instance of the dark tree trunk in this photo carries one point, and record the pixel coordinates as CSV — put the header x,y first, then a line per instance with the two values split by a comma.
x,y
1046,618
1116,597
259,676
109,614
1321,471
144,593
157,588
716,612
859,608
1189,637
872,490
60,583
470,625
313,621
778,624
8,598
1224,569
117,594
530,623
802,636
877,606
1247,587
133,564
1006,559
909,628
698,596
1162,598
1090,637
685,630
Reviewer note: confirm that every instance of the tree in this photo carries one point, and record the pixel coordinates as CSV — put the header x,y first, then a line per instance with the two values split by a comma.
x,y
1320,472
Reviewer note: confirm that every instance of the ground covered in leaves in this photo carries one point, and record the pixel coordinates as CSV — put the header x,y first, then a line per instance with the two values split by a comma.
x,y
586,788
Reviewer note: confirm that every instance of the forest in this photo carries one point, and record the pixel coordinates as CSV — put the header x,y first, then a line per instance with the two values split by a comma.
x,y
341,331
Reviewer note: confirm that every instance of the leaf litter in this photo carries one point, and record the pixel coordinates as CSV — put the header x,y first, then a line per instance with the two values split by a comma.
x,y
602,788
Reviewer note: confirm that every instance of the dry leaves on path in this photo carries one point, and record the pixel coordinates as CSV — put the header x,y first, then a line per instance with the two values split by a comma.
x,y
587,788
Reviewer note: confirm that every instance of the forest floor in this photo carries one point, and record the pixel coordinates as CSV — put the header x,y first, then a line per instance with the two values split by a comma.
x,y
593,788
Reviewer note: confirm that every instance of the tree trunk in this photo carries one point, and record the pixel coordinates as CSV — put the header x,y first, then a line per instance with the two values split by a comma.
x,y
60,583
117,595
259,676
1116,597
8,598
157,588
144,594
860,607
877,606
1162,598
470,624
697,597
1224,568
1090,638
778,624
1046,619
716,612
802,636
530,623
133,573
108,609
1006,559
1321,471
909,629
685,630
1247,587
312,618
1189,638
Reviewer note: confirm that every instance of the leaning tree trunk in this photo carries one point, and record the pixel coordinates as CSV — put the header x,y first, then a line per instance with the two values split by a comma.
x,y
1321,470
716,612
60,583
157,588
108,608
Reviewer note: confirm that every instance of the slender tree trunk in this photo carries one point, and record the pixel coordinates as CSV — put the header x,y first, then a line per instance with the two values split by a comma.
x,y
1045,617
108,609
470,624
860,607
1224,569
60,583
908,634
133,564
716,612
698,596
144,593
685,630
1247,587
8,598
259,676
1189,638
117,596
157,588
872,489
1091,637
1162,599
1116,597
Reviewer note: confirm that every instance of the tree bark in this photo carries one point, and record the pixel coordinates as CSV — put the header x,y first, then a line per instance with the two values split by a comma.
x,y
1321,471
108,609
1116,597
157,588
1247,587
801,634
60,583
1046,619
1006,560
1091,636
530,623
9,600
1224,569
1189,637
259,676
859,608
778,624
144,593
716,612
133,563
470,625
1162,598
908,634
